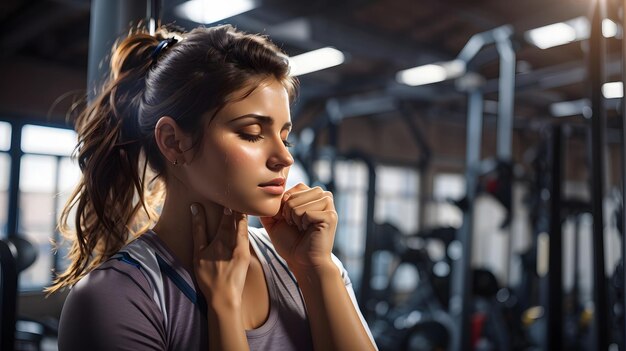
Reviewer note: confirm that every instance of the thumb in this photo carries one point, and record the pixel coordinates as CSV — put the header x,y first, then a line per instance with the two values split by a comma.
x,y
198,228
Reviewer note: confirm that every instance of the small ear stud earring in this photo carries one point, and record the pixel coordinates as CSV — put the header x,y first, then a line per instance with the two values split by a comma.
x,y
175,162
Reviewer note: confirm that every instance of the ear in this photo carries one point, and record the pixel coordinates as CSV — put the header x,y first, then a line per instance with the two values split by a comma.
x,y
172,141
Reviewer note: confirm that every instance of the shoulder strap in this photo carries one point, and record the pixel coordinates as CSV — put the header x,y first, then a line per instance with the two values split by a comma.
x,y
141,255
263,242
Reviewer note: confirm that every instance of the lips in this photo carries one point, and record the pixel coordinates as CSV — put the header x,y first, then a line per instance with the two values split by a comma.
x,y
274,187
274,182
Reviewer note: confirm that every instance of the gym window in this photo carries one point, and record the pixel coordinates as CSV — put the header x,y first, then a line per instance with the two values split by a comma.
x,y
47,177
446,187
397,202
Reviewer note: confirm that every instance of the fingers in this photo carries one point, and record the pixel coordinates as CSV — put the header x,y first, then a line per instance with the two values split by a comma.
x,y
226,228
296,189
297,196
233,231
198,225
298,213
328,217
301,200
241,242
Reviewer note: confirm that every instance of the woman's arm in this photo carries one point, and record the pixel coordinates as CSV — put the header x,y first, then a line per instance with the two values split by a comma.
x,y
220,266
303,233
226,330
335,324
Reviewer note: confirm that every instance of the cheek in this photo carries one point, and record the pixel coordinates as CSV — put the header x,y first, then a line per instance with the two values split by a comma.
x,y
241,159
226,170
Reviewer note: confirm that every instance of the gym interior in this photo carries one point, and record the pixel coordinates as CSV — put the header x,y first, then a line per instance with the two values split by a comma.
x,y
475,150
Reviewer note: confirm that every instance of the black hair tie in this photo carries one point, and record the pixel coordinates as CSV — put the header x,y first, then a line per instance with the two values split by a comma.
x,y
163,45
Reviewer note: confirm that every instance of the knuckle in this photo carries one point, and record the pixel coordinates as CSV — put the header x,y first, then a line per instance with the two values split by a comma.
x,y
333,215
289,204
299,212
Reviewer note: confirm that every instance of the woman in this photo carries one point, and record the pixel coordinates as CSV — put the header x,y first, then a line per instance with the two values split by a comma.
x,y
207,112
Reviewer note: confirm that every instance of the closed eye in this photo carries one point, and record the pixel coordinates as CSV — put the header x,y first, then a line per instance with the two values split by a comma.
x,y
254,138
250,137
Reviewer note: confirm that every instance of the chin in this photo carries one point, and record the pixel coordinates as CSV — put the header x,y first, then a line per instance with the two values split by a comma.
x,y
268,209
263,212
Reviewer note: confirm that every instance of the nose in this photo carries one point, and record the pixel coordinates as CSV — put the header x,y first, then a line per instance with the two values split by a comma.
x,y
280,156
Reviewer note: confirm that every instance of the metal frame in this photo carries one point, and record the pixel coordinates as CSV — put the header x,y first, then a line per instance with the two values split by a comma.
x,y
8,297
597,57
16,156
553,295
462,279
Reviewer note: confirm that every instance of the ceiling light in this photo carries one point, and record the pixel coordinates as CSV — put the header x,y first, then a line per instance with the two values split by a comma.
x,y
568,108
211,11
613,90
315,60
609,28
559,33
431,73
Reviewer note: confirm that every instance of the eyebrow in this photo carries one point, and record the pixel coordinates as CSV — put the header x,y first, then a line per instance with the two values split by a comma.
x,y
263,119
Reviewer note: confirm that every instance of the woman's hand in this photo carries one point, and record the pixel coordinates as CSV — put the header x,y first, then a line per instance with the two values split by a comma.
x,y
303,231
221,264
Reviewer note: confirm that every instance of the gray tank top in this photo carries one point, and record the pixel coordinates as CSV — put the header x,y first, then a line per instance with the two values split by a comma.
x,y
143,299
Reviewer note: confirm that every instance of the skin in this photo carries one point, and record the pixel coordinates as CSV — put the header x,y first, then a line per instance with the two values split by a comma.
x,y
236,155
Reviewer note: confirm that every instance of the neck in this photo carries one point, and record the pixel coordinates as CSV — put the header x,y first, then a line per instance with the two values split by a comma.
x,y
174,225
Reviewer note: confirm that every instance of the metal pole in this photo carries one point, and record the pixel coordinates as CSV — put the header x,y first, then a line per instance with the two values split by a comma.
x,y
109,20
14,176
554,308
56,259
422,163
506,102
335,116
8,297
505,94
366,275
461,285
153,15
597,78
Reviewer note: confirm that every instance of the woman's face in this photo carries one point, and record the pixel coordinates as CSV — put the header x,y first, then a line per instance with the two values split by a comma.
x,y
243,161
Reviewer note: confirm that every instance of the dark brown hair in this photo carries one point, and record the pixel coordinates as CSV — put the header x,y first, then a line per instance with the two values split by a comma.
x,y
122,168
